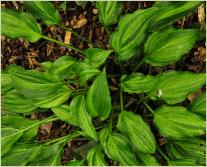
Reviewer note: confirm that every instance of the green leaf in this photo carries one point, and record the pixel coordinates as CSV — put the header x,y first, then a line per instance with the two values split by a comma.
x,y
15,102
183,162
85,71
138,132
75,162
103,136
137,83
95,157
130,33
148,160
44,11
193,148
78,107
21,154
25,25
177,122
54,100
96,56
184,84
108,12
198,106
167,47
171,11
64,113
6,83
81,3
34,84
117,148
98,101
14,128
63,67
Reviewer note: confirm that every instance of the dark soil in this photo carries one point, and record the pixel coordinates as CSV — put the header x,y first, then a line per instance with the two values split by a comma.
x,y
30,55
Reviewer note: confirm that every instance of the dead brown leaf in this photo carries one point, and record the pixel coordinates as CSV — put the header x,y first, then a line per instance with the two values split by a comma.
x,y
78,23
194,95
46,128
202,16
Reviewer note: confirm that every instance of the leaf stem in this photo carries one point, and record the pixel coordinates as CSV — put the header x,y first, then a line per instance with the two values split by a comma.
x,y
148,107
163,154
144,98
121,100
63,44
139,64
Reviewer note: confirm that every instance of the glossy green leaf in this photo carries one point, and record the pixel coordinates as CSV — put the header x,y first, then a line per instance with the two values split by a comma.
x,y
183,162
171,11
43,10
130,33
95,157
21,154
103,136
78,107
198,105
63,67
138,132
193,148
14,128
25,25
85,71
117,148
148,159
64,113
167,47
15,102
137,83
96,56
98,101
177,122
108,12
174,86
34,84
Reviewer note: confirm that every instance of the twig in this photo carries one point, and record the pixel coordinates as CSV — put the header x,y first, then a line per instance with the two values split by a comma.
x,y
139,64
148,107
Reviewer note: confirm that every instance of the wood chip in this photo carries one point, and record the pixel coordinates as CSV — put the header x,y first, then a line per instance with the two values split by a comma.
x,y
67,37
78,23
201,16
95,11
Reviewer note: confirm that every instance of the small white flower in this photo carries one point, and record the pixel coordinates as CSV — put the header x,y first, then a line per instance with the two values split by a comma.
x,y
159,93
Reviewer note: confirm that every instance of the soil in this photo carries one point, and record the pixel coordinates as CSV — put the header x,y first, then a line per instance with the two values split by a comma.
x,y
30,55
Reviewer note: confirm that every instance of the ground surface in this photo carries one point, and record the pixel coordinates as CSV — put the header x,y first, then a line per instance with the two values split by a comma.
x,y
85,22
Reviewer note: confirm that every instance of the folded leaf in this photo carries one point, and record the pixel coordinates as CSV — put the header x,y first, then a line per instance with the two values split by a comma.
x,y
130,33
44,11
75,162
95,157
21,154
98,101
103,136
14,128
25,25
15,102
34,84
138,132
96,56
137,83
174,86
177,122
148,160
85,71
166,47
78,107
108,12
191,148
170,11
198,106
64,113
117,148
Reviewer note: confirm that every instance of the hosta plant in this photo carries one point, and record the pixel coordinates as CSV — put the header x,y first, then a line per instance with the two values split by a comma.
x,y
79,91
